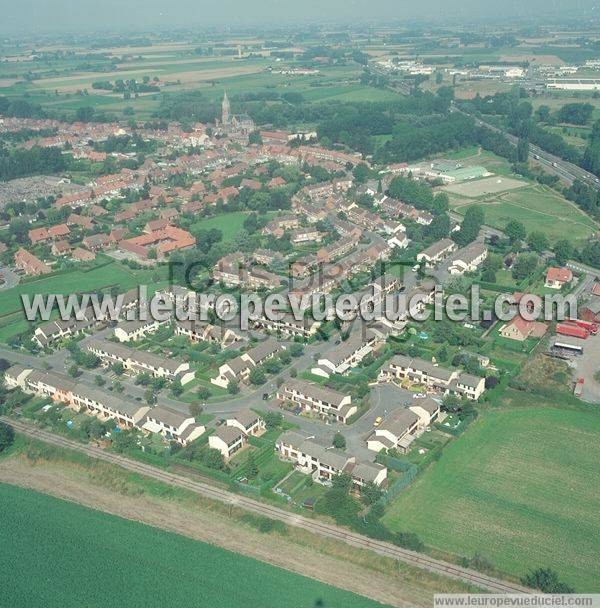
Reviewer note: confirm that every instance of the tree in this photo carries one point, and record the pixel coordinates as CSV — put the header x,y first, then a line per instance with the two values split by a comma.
x,y
546,580
233,388
488,276
213,459
150,397
73,371
470,227
176,388
525,265
296,350
515,231
339,441
538,241
563,251
273,420
7,436
203,393
257,376
195,409
361,173
370,493
251,466
523,150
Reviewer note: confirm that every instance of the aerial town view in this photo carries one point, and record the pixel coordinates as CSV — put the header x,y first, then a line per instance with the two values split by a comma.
x,y
299,304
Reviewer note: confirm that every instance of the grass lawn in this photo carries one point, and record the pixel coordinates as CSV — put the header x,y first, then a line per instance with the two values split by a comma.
x,y
538,207
228,223
70,555
519,487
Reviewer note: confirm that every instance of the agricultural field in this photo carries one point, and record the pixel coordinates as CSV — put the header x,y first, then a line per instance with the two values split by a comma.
x,y
538,207
133,564
525,477
64,85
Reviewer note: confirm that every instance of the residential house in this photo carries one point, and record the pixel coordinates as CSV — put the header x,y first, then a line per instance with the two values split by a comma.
x,y
228,440
324,463
138,362
239,369
247,421
172,425
347,354
557,278
397,431
313,397
437,252
469,258
30,264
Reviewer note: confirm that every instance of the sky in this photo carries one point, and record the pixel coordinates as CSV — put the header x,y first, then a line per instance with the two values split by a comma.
x,y
38,16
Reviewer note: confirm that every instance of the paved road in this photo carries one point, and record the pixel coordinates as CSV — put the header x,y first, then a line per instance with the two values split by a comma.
x,y
419,560
8,278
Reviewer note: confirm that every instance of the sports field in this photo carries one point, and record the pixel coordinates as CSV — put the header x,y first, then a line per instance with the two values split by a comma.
x,y
520,487
484,187
538,207
58,554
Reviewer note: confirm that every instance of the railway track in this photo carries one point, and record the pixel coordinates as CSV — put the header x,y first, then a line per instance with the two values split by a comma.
x,y
477,579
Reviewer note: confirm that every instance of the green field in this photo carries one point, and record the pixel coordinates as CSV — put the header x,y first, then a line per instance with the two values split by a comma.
x,y
228,223
98,278
519,487
58,554
538,207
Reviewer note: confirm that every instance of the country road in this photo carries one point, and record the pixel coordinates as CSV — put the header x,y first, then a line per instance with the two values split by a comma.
x,y
419,560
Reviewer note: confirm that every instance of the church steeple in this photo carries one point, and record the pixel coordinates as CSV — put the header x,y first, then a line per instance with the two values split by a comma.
x,y
225,109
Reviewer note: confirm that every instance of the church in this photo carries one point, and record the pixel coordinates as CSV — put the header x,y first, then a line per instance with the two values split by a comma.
x,y
234,124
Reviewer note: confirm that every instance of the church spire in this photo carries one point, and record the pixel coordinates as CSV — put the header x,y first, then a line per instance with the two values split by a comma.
x,y
225,109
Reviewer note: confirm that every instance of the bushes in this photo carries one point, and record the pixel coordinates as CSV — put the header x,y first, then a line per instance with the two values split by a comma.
x,y
7,436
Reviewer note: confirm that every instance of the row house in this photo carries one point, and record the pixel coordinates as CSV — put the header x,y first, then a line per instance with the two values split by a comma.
x,y
433,377
305,235
30,264
313,397
347,354
437,252
52,331
290,326
336,250
323,463
469,258
233,436
239,369
400,428
136,329
172,425
137,361
104,405
200,331
397,209
267,257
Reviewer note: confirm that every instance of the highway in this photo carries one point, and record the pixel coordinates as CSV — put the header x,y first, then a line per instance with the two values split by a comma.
x,y
566,171
419,560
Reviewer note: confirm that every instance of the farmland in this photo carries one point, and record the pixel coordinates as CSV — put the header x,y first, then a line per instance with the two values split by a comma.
x,y
523,477
133,564
538,207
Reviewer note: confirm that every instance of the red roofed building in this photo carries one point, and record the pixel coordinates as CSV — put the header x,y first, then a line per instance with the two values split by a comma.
x,y
556,278
58,231
38,235
520,329
162,241
29,264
